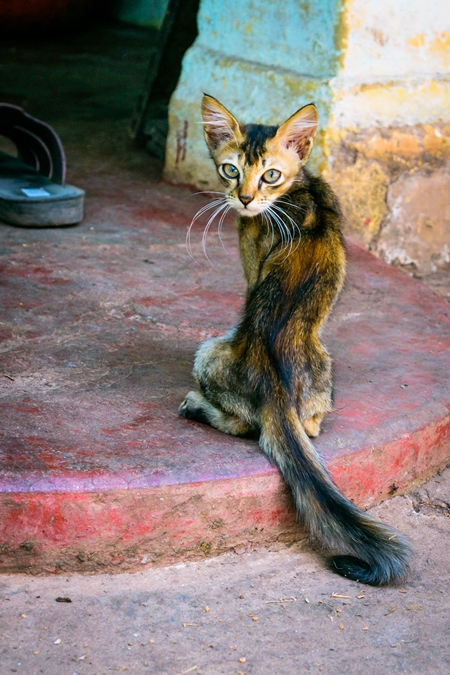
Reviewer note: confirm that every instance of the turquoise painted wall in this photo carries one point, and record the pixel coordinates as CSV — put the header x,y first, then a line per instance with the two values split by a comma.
x,y
263,60
290,34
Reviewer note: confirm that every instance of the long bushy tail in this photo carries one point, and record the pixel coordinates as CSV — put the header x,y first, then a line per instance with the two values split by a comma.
x,y
373,553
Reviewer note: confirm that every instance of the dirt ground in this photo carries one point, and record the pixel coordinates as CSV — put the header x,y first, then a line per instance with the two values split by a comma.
x,y
245,614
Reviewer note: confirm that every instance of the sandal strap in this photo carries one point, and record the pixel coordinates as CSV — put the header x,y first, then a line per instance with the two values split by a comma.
x,y
37,143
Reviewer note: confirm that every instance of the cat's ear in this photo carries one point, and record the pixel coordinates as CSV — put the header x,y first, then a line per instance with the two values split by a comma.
x,y
219,125
299,131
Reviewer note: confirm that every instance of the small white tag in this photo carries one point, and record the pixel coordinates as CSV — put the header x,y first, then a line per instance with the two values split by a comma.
x,y
35,192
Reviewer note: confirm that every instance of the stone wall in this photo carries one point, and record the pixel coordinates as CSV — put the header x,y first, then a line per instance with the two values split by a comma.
x,y
379,73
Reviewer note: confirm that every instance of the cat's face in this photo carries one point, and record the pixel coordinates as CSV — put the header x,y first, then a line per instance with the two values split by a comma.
x,y
257,163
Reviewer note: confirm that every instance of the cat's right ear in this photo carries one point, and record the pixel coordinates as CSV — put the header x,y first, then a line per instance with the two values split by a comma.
x,y
219,125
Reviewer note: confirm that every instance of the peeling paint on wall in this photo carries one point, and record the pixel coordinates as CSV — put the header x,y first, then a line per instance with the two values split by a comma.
x,y
416,231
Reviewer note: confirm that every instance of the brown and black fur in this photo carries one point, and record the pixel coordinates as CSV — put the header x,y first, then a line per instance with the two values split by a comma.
x,y
271,375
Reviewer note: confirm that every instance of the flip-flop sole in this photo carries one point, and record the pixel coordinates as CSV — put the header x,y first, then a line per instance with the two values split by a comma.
x,y
31,200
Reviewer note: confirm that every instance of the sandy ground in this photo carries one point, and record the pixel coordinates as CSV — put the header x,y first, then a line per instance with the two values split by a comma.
x,y
265,612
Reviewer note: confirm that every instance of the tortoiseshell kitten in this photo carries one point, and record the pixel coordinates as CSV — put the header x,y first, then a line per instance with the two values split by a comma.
x,y
272,374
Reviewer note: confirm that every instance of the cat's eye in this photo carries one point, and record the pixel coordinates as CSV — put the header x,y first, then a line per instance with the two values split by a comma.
x,y
271,176
230,171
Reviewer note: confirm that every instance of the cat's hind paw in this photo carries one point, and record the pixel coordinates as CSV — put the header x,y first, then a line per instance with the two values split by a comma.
x,y
312,425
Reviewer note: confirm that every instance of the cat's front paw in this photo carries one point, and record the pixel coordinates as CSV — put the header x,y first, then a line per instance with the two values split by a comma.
x,y
183,409
192,408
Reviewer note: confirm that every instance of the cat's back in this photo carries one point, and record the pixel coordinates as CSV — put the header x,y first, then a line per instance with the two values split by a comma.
x,y
319,203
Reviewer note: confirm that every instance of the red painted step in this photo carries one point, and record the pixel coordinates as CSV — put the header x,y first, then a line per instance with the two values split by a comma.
x,y
99,328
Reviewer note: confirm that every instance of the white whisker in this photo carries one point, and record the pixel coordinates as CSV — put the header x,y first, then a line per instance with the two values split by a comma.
x,y
290,235
283,212
294,206
200,212
267,219
283,229
207,226
206,192
219,226
296,227
279,224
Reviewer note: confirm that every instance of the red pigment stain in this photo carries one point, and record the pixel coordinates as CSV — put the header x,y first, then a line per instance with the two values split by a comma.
x,y
41,270
55,281
172,218
182,143
18,303
6,334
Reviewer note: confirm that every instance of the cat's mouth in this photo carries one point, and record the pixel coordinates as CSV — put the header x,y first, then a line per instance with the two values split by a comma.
x,y
248,210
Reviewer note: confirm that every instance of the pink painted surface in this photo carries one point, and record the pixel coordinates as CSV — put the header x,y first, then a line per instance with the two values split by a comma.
x,y
99,327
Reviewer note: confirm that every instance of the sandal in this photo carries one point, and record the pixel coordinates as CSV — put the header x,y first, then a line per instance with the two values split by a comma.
x,y
32,188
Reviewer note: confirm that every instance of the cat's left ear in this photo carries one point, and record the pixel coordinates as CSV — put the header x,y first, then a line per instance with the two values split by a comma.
x,y
299,131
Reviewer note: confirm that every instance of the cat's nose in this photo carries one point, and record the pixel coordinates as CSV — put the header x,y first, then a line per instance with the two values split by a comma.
x,y
245,199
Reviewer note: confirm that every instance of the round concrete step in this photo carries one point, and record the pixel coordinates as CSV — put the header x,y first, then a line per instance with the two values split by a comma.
x,y
100,325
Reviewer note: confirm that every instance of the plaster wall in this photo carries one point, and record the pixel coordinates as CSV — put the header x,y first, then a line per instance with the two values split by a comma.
x,y
263,61
292,35
396,39
379,73
388,132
